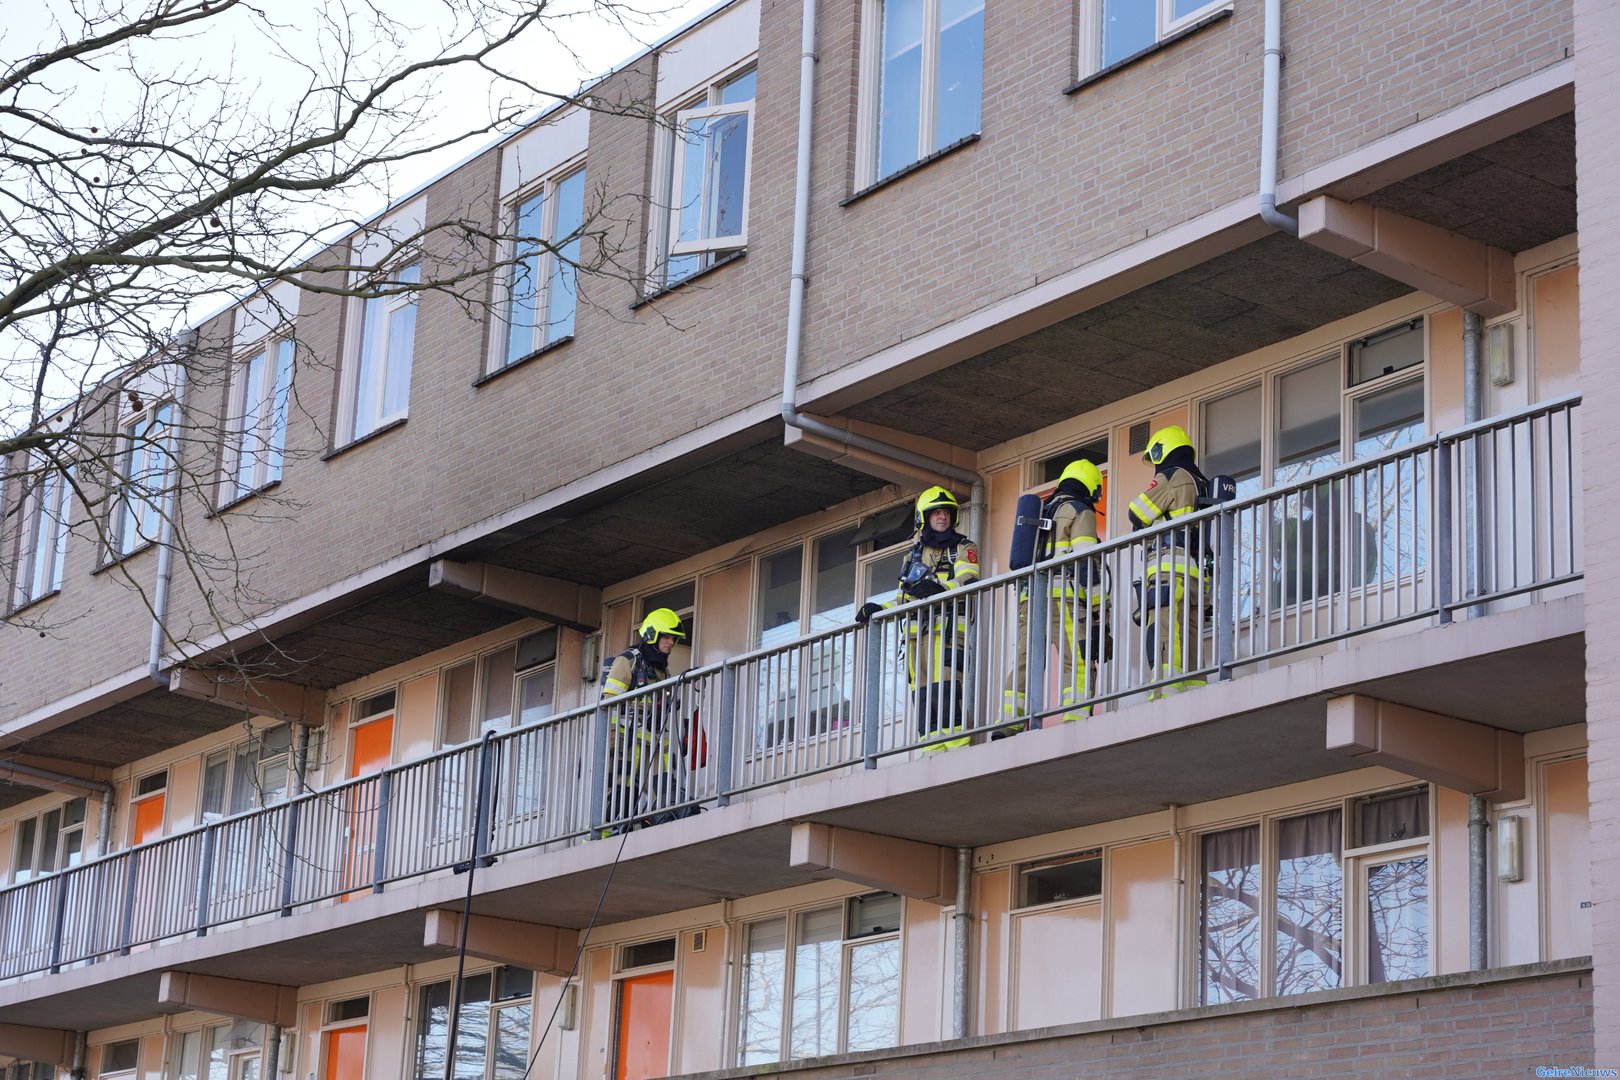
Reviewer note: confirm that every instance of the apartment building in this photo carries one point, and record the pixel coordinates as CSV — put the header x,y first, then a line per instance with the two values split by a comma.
x,y
361,793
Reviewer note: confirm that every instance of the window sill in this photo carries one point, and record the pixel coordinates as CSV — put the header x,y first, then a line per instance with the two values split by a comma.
x,y
244,497
922,162
35,602
724,260
1159,46
117,559
549,346
367,437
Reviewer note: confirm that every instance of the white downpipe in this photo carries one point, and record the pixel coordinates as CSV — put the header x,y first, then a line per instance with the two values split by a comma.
x,y
795,326
171,507
1270,122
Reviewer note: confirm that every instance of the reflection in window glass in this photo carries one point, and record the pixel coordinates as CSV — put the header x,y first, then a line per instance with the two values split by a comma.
x,y
817,964
1229,917
960,70
1389,419
1129,26
1310,903
900,85
764,983
874,995
1398,920
833,602
780,584
1231,439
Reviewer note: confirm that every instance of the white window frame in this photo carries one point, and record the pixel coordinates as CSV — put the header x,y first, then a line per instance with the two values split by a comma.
x,y
120,1074
1165,23
366,358
256,425
45,499
1354,864
496,1005
60,857
541,334
137,519
234,755
870,96
702,103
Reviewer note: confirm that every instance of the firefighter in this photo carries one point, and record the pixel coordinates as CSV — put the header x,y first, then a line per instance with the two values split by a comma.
x,y
1075,597
940,559
640,766
1171,591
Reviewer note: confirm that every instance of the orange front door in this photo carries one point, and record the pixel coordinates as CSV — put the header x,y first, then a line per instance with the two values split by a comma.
x,y
148,820
372,746
346,1053
645,1006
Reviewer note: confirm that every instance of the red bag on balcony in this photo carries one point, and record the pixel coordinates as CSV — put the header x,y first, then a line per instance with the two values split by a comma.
x,y
694,742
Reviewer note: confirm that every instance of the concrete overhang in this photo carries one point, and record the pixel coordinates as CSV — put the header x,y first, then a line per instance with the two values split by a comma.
x,y
1260,730
1444,750
268,1003
565,602
53,1046
552,950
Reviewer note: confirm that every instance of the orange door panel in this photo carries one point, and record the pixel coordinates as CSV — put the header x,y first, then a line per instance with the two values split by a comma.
x,y
645,1008
147,823
346,1053
370,750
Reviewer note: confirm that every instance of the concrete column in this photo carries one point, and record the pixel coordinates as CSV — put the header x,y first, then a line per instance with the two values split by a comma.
x,y
1597,158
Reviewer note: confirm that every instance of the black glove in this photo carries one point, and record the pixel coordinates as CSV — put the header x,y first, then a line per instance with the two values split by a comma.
x,y
866,612
922,590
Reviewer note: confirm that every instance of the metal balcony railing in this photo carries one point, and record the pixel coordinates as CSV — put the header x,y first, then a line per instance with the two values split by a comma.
x,y
1452,525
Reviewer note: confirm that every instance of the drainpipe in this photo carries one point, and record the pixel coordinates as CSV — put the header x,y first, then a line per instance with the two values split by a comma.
x,y
795,327
171,506
272,1052
30,776
963,920
1180,882
1478,821
81,1043
1270,122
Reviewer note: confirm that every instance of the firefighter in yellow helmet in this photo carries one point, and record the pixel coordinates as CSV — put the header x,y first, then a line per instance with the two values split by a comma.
x,y
1075,597
941,559
1172,590
641,761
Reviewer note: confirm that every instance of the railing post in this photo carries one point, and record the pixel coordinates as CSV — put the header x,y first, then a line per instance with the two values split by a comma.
x,y
725,738
58,920
486,799
1225,592
289,860
1442,530
871,705
599,776
1040,606
379,851
205,881
126,928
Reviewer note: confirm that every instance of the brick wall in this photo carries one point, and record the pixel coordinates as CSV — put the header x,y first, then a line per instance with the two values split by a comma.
x,y
1489,1024
1597,154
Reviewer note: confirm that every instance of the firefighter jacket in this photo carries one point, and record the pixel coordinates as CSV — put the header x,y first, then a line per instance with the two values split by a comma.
x,y
950,565
1174,492
1073,525
631,670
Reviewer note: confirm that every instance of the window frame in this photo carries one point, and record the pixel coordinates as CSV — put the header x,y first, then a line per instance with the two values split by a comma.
x,y
495,1005
504,352
664,228
1166,24
870,96
233,757
128,526
103,1073
365,355
1354,864
271,400
61,858
44,506
847,942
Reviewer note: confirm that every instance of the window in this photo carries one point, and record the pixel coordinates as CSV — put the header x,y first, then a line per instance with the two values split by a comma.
x,y
1072,877
223,1052
479,694
145,474
542,283
256,432
492,1034
50,842
146,804
29,1070
708,177
120,1059
380,384
1292,929
822,981
253,774
647,953
924,66
42,519
1128,27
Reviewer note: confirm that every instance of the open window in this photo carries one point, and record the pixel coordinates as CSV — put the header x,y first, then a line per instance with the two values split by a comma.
x,y
710,144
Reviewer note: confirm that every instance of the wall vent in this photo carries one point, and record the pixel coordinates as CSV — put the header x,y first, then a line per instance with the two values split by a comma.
x,y
1139,437
700,940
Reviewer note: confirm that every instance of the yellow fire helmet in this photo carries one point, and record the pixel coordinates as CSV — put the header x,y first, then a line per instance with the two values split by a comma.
x,y
1164,442
935,498
661,621
1087,474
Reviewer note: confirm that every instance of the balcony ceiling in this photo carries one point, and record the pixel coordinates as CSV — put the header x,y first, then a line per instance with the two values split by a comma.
x,y
1516,194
